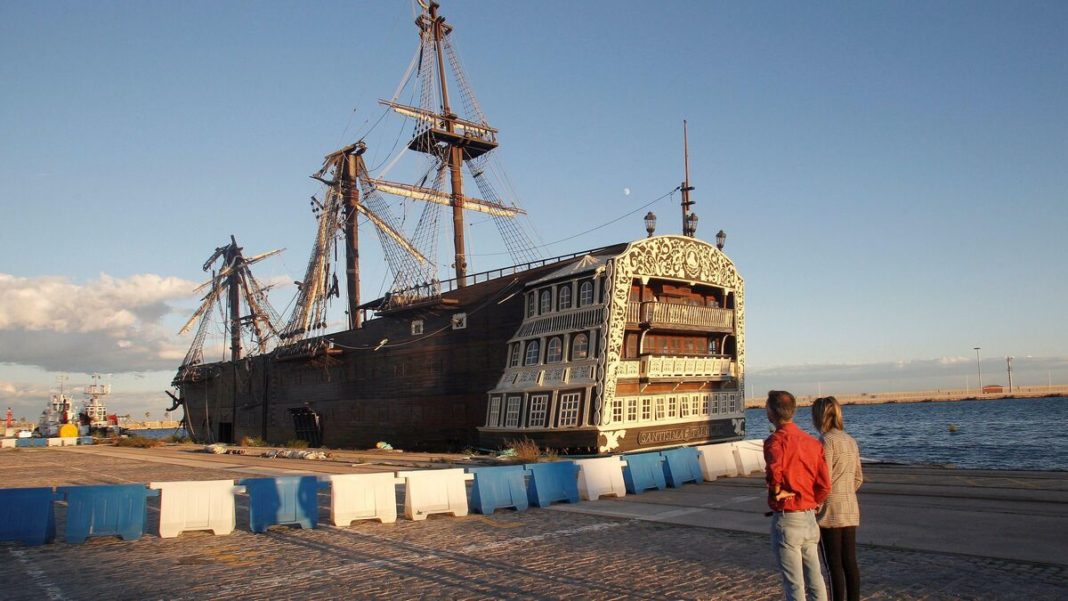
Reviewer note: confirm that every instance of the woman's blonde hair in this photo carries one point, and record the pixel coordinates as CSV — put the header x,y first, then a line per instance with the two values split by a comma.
x,y
827,414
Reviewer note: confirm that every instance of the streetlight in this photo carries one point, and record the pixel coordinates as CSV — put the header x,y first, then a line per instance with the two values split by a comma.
x,y
721,239
650,223
1008,364
980,367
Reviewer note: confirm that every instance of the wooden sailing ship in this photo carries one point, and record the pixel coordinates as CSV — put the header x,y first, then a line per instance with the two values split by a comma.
x,y
631,346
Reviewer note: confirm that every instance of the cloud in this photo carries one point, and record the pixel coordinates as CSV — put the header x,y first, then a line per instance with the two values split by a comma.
x,y
105,325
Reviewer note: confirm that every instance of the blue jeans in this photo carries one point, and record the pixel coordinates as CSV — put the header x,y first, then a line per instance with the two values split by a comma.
x,y
795,541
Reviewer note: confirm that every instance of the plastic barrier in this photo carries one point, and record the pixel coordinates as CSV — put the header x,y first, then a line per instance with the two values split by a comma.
x,y
552,482
435,491
681,466
7,443
68,442
85,440
282,500
26,515
498,487
749,455
54,442
601,476
717,460
31,442
643,472
203,505
105,510
363,497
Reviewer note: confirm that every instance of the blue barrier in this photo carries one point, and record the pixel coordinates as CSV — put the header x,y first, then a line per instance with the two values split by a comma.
x,y
26,515
31,442
643,471
682,465
283,500
497,487
552,482
105,510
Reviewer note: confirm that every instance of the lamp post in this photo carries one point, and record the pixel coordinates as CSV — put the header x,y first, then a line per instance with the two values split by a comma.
x,y
721,239
979,366
1008,364
650,223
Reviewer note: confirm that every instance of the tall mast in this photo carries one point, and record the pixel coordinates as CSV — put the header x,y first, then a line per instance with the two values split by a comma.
x,y
455,152
687,228
348,173
233,283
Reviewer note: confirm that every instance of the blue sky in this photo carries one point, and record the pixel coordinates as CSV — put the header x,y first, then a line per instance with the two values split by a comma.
x,y
892,177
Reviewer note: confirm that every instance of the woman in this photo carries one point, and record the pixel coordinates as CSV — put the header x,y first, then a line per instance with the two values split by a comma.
x,y
840,514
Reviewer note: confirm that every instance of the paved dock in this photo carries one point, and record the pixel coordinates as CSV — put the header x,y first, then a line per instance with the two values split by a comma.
x,y
926,534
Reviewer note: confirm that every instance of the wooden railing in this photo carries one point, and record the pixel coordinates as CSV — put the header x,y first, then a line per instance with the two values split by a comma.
x,y
666,366
676,315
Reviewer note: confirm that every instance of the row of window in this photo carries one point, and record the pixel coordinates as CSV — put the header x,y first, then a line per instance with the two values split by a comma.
x,y
540,412
530,351
663,408
566,413
541,301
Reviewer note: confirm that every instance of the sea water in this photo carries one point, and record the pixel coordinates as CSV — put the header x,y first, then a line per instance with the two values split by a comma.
x,y
1008,434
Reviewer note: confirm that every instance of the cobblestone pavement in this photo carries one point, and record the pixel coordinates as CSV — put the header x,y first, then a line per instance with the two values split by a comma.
x,y
537,554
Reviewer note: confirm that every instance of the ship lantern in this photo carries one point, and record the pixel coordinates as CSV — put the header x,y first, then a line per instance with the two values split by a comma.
x,y
721,239
691,225
650,223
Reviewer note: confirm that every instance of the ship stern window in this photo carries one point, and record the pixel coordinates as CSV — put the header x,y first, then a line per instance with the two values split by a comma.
x,y
554,352
660,408
585,293
546,301
538,405
632,410
513,355
532,308
647,409
494,418
617,411
417,327
511,415
580,347
533,352
569,409
563,297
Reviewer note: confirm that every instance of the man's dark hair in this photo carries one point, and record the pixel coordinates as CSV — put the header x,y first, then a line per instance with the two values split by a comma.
x,y
782,405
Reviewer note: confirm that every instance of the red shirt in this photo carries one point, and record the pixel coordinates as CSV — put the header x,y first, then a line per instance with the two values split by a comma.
x,y
796,464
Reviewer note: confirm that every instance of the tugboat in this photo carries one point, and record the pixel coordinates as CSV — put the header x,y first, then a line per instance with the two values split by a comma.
x,y
633,346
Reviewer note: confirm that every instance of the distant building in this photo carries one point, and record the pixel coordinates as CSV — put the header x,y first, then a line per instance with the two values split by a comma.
x,y
993,388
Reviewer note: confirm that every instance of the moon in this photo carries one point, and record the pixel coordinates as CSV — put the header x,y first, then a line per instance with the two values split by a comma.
x,y
626,191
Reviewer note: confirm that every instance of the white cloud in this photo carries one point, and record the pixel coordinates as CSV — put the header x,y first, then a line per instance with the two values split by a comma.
x,y
108,325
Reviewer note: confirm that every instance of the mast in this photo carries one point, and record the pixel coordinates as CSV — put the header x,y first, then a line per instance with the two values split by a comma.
x,y
348,174
439,30
688,229
233,283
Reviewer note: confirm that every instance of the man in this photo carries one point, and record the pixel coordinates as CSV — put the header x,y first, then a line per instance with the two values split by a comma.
x,y
798,482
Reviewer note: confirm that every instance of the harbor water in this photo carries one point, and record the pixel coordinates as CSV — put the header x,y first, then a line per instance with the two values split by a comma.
x,y
1018,434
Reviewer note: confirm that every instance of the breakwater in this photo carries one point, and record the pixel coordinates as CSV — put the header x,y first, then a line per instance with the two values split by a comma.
x,y
924,396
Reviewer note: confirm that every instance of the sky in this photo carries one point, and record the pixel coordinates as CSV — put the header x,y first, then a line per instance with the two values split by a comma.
x,y
892,177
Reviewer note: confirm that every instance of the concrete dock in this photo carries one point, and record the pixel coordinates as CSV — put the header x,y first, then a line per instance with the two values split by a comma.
x,y
926,533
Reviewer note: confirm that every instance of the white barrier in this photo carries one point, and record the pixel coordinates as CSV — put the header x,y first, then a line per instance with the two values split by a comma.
x,y
435,491
204,505
749,455
55,442
68,442
363,497
601,476
717,460
7,443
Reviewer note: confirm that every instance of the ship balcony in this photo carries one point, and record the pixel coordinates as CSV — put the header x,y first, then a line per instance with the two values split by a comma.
x,y
670,316
683,368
